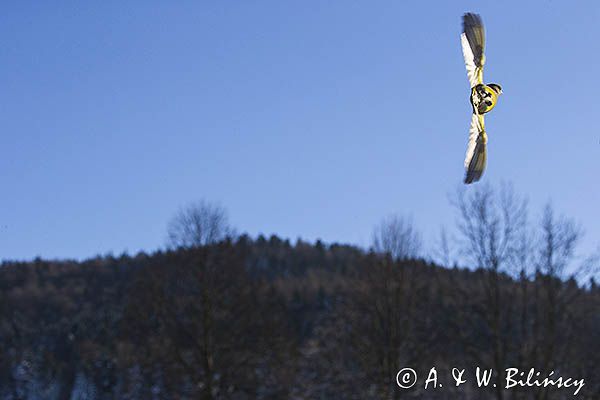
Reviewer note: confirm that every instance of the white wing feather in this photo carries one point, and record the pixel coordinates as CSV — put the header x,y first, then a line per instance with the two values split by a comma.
x,y
472,70
474,131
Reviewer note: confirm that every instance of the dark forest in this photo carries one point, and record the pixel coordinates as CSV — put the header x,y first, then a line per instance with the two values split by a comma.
x,y
225,316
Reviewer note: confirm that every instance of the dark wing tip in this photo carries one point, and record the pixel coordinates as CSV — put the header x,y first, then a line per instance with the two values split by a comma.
x,y
472,177
469,178
471,20
477,163
473,29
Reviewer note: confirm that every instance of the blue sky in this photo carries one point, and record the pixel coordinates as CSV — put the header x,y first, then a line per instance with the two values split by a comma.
x,y
304,119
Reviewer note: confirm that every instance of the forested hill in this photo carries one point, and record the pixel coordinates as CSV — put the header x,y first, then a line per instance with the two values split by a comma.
x,y
266,319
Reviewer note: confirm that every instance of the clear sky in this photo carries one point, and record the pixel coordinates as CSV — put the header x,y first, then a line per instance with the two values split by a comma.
x,y
304,119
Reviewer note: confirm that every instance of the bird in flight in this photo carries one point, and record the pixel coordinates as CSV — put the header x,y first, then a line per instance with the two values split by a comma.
x,y
483,97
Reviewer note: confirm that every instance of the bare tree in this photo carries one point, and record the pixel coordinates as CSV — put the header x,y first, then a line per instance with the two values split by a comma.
x,y
560,237
198,224
386,292
398,237
491,227
555,323
199,227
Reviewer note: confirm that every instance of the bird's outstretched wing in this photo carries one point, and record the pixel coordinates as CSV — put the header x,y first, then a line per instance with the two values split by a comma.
x,y
476,156
472,41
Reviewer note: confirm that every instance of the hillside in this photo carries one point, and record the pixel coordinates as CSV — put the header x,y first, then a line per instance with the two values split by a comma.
x,y
266,319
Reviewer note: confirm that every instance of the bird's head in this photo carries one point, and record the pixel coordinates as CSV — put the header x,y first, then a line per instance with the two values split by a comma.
x,y
496,88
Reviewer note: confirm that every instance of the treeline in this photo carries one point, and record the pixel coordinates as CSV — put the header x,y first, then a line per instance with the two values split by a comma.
x,y
222,316
270,320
